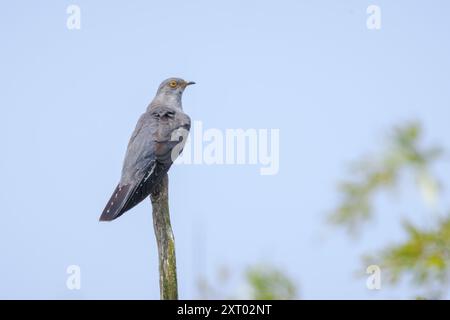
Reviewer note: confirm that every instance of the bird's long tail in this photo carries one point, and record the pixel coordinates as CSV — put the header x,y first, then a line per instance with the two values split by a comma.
x,y
127,196
115,206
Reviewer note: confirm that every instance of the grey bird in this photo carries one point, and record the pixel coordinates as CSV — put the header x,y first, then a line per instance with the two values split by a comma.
x,y
155,143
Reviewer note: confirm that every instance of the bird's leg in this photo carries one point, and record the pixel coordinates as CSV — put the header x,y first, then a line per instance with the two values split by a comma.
x,y
165,240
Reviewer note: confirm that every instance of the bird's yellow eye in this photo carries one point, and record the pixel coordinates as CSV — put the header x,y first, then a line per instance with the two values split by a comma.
x,y
173,84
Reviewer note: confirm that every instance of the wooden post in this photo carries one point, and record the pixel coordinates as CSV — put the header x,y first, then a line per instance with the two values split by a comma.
x,y
165,240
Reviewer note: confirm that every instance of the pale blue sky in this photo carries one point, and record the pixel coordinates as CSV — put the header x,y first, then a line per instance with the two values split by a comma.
x,y
70,99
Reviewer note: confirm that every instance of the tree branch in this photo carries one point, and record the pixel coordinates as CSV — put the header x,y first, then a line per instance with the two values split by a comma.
x,y
165,240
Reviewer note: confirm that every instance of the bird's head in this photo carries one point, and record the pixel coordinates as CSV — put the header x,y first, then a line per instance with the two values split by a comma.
x,y
173,87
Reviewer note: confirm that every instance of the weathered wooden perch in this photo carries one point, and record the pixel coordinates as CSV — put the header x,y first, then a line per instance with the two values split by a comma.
x,y
166,242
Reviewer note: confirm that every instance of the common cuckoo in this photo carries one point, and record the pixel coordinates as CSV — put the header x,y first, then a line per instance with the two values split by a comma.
x,y
155,143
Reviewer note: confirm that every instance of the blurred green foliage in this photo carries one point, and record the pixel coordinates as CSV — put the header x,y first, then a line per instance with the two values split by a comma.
x,y
424,255
268,283
260,282
374,174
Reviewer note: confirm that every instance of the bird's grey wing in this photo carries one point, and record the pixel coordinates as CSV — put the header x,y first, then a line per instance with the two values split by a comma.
x,y
156,135
147,159
140,151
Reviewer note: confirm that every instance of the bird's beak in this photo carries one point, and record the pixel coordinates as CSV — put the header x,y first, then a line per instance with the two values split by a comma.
x,y
188,83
